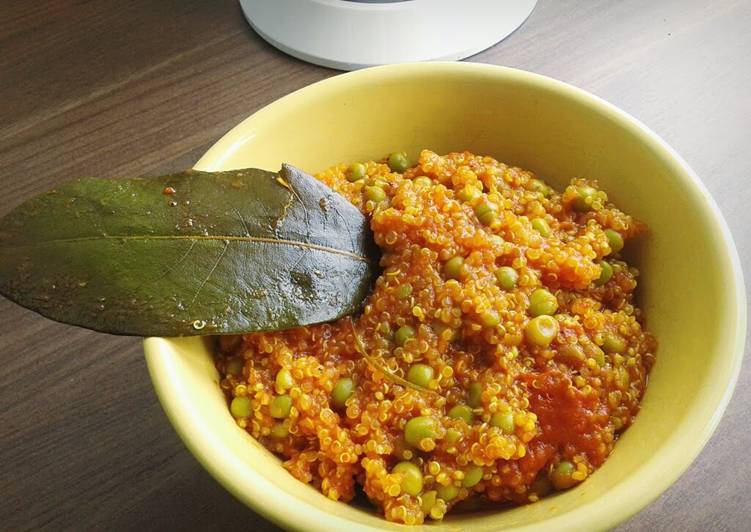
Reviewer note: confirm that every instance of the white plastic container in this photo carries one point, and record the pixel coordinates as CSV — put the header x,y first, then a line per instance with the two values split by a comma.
x,y
352,34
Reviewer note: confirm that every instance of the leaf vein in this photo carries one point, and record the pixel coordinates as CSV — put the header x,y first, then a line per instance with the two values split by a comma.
x,y
172,267
211,272
258,239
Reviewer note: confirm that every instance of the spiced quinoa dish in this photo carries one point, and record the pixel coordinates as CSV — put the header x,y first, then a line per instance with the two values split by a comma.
x,y
498,357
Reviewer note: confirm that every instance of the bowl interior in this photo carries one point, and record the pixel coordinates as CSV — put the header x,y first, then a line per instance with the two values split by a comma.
x,y
690,285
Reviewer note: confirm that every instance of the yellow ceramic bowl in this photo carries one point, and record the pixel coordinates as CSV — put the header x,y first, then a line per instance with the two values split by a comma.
x,y
691,283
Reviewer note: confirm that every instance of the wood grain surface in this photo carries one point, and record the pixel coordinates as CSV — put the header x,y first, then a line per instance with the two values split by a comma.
x,y
113,88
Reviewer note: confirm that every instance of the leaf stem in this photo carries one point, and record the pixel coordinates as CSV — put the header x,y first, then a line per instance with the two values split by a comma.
x,y
378,365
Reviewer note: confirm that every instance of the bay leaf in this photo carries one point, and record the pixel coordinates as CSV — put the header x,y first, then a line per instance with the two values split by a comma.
x,y
193,253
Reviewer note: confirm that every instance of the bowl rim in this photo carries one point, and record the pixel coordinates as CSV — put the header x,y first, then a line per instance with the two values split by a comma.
x,y
264,497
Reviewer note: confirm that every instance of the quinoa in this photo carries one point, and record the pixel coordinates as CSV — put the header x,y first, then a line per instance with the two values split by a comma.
x,y
515,302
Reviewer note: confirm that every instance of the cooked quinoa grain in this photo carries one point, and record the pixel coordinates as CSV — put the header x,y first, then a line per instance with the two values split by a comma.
x,y
522,346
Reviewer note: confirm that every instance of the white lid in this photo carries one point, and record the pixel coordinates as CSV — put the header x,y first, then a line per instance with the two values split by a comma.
x,y
348,35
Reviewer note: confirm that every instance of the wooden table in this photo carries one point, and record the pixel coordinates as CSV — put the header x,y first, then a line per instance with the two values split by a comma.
x,y
114,88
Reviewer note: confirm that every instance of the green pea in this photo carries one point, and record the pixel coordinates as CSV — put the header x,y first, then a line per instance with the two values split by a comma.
x,y
490,318
486,213
420,374
402,334
560,476
541,226
356,172
472,476
423,181
536,185
506,277
284,380
235,366
448,493
404,291
542,302
615,240
241,407
428,500
419,428
378,182
343,390
584,197
398,161
468,193
504,421
613,344
622,378
452,436
474,395
280,406
375,194
541,331
599,356
411,477
279,431
605,274
462,412
572,352
454,268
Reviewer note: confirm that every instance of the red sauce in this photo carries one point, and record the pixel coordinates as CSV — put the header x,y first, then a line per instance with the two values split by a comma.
x,y
569,419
